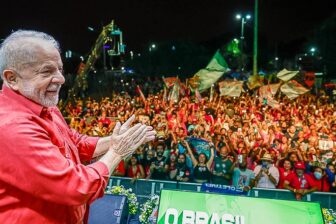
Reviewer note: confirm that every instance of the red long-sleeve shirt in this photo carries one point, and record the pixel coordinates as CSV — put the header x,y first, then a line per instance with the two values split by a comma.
x,y
42,178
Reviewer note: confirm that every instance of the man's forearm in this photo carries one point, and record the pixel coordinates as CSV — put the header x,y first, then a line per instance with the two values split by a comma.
x,y
311,190
102,146
111,160
272,179
288,187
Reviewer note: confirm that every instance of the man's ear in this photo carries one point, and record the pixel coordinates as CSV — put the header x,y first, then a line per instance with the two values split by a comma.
x,y
10,78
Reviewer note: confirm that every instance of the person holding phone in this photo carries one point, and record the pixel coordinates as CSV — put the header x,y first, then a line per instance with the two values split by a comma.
x,y
267,175
221,172
242,176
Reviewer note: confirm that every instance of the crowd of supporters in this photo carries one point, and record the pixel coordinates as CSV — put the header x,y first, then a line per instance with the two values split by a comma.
x,y
250,144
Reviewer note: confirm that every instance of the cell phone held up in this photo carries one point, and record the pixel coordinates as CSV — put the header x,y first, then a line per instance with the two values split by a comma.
x,y
240,159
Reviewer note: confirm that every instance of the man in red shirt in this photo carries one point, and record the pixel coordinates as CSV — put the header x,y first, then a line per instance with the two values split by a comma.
x,y
42,176
299,182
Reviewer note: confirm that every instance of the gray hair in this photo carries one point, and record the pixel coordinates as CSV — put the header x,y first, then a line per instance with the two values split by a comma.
x,y
17,49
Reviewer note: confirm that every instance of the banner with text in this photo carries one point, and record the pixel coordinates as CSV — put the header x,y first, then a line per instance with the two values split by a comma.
x,y
180,207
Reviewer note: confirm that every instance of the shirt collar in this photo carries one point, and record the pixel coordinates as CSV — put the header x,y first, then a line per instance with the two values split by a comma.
x,y
22,100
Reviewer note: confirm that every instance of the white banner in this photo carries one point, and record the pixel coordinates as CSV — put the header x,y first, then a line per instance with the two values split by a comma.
x,y
269,90
230,88
293,89
286,75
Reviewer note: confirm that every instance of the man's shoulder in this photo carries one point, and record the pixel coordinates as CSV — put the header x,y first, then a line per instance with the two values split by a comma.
x,y
309,176
12,111
257,167
274,168
16,117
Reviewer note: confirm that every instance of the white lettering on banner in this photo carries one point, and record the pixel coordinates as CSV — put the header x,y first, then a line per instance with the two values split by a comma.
x,y
228,219
188,217
171,212
200,217
224,187
241,219
215,219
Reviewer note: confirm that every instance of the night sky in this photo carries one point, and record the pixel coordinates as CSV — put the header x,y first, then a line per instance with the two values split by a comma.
x,y
146,21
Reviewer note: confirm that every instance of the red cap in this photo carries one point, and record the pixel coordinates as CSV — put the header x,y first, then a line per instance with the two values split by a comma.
x,y
173,153
300,165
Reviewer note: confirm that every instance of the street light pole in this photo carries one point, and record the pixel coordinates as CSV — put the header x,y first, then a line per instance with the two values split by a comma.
x,y
243,19
242,28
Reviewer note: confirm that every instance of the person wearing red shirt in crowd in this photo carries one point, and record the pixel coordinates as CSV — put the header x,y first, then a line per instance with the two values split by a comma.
x,y
299,182
119,171
42,175
208,117
284,171
320,179
104,120
172,120
134,169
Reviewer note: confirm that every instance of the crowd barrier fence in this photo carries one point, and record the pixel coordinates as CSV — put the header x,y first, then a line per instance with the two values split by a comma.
x,y
143,188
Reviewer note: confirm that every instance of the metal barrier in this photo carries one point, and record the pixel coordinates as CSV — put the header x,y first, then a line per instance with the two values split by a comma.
x,y
143,188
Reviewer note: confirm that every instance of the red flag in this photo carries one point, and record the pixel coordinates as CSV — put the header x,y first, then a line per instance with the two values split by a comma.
x,y
309,78
170,81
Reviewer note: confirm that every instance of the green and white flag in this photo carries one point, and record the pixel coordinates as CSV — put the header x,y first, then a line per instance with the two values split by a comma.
x,y
213,71
218,63
206,78
216,67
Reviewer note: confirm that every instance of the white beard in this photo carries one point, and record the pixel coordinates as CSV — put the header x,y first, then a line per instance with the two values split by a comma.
x,y
41,98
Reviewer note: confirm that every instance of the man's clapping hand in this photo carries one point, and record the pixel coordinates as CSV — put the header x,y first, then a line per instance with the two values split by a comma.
x,y
125,139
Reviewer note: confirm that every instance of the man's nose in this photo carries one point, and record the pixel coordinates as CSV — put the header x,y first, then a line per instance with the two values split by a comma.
x,y
58,78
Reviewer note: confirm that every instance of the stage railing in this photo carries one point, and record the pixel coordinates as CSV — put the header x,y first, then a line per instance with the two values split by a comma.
x,y
143,188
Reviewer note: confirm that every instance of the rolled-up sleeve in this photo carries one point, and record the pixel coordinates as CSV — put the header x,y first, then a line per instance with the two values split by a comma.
x,y
86,145
33,164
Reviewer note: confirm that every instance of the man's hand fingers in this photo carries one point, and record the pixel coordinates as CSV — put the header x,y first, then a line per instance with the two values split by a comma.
x,y
149,128
149,138
116,128
151,132
133,129
141,141
126,125
138,134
